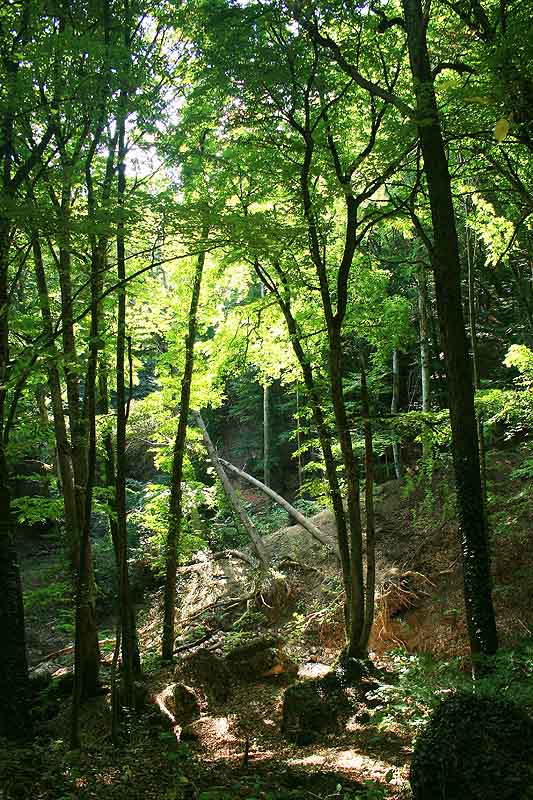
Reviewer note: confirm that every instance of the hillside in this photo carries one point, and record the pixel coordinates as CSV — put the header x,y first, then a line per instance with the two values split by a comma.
x,y
225,604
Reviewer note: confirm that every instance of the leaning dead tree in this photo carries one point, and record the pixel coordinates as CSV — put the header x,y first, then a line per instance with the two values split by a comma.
x,y
232,496
315,532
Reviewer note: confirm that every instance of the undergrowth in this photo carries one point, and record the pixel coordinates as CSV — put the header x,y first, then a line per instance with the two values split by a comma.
x,y
421,682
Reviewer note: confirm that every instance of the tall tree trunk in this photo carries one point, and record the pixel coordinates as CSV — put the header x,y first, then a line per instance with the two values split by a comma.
x,y
470,261
266,423
88,631
446,264
324,435
423,322
84,595
334,319
299,441
15,721
355,648
231,494
395,407
130,652
370,587
66,474
176,490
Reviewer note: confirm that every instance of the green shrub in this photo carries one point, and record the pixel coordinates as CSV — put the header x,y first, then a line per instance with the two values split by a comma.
x,y
474,747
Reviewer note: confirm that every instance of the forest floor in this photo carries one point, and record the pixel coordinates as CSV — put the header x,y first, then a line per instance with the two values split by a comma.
x,y
235,749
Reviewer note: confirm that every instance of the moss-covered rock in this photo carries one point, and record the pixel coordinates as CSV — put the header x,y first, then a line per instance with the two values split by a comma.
x,y
321,705
185,703
315,706
254,657
207,671
179,703
474,748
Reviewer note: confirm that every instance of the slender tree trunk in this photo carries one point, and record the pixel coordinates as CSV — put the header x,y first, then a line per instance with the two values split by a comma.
x,y
299,441
423,321
84,595
131,665
334,323
395,407
351,476
370,587
175,510
266,423
110,481
109,460
470,261
324,436
88,631
446,264
15,720
64,460
231,494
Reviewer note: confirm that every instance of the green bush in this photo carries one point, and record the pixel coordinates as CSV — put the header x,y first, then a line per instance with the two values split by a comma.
x,y
474,747
421,682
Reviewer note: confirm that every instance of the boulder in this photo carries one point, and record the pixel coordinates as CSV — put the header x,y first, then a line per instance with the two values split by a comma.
x,y
243,657
255,657
40,680
185,703
323,704
207,671
474,747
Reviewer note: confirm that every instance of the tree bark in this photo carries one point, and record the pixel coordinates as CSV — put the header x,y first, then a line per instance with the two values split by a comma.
x,y
231,494
175,510
446,264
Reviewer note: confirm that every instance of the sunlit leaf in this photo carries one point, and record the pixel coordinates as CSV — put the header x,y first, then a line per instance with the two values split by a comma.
x,y
501,129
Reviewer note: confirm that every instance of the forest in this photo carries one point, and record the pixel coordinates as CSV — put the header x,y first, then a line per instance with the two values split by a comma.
x,y
266,400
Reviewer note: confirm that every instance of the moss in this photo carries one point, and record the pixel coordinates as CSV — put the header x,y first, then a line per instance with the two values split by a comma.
x,y
311,707
208,671
253,657
474,747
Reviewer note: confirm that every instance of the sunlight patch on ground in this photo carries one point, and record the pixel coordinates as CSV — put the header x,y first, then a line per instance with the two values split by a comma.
x,y
313,760
313,670
343,760
221,726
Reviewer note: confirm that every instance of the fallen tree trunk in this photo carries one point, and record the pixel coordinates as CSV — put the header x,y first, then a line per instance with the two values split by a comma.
x,y
236,504
315,532
223,555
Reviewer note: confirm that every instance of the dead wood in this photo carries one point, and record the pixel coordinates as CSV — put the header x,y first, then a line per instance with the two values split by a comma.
x,y
309,526
231,494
